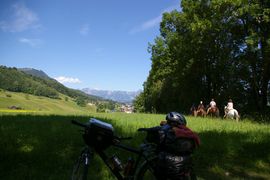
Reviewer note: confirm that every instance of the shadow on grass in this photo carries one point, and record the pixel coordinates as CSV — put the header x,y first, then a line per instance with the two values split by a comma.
x,y
38,147
233,155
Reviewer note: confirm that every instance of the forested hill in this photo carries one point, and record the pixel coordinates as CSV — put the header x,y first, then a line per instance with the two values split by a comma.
x,y
15,80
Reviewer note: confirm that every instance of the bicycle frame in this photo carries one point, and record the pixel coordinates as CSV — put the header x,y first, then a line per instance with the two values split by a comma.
x,y
117,174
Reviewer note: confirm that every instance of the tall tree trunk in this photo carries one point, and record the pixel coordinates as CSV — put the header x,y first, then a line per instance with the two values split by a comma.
x,y
265,49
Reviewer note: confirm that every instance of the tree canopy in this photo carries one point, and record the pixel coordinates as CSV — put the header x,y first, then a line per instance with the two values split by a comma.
x,y
210,49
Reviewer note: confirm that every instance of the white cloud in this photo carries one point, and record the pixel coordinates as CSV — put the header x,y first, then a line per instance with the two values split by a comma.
x,y
147,25
31,42
152,22
84,30
21,19
63,79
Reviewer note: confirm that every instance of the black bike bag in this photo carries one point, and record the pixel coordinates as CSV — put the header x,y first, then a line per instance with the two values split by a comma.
x,y
99,134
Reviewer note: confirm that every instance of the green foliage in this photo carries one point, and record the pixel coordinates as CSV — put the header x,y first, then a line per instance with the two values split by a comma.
x,y
80,101
210,49
8,95
106,106
139,103
101,107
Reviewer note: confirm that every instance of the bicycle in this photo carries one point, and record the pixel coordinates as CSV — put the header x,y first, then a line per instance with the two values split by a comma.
x,y
99,136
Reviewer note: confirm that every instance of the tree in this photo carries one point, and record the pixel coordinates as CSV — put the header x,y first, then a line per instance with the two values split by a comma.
x,y
80,101
139,103
210,49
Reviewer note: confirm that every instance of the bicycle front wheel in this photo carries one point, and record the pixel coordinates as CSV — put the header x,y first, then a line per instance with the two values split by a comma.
x,y
147,170
80,168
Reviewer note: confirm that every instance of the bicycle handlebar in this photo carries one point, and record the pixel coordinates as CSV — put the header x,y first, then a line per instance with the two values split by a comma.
x,y
78,123
120,138
149,129
85,126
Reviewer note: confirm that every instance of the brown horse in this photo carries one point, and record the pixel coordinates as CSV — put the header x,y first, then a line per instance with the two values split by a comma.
x,y
193,111
201,112
213,112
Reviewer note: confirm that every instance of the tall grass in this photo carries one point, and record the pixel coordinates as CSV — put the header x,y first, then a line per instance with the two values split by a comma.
x,y
45,147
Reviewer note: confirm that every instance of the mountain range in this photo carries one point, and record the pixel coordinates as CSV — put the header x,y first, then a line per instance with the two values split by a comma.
x,y
119,96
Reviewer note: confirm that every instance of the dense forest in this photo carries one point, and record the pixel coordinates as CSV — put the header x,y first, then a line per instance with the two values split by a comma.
x,y
210,49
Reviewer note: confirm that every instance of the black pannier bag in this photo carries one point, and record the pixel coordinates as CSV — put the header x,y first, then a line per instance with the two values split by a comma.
x,y
167,141
99,135
174,157
172,167
176,145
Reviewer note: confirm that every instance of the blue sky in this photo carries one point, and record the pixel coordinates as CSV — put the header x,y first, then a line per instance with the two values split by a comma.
x,y
82,43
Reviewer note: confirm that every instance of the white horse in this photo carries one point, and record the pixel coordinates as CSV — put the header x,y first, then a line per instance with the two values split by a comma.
x,y
231,113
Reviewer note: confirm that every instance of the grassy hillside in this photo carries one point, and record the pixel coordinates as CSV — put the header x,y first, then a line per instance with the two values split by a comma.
x,y
15,80
45,147
38,104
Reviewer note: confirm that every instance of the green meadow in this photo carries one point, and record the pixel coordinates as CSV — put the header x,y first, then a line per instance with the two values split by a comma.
x,y
46,146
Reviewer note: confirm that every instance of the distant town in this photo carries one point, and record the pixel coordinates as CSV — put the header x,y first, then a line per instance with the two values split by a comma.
x,y
127,108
